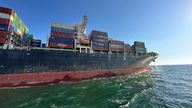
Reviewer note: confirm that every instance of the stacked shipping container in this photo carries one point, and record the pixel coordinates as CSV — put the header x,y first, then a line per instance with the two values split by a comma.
x,y
35,43
62,36
116,46
84,41
139,47
43,45
99,40
128,49
10,20
4,24
3,36
26,38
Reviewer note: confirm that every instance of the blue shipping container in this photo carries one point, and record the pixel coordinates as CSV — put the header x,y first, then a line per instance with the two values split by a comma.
x,y
139,43
95,32
4,27
62,30
100,44
35,44
61,40
14,27
140,49
25,38
36,40
43,45
127,46
99,39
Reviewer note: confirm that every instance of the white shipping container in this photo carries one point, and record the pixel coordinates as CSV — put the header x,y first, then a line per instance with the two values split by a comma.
x,y
11,18
99,44
100,40
116,46
65,26
99,36
19,31
4,16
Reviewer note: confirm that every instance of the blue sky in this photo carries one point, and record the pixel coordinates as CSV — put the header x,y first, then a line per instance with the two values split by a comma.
x,y
164,25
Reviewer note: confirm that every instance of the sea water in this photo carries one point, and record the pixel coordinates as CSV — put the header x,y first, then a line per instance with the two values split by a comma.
x,y
165,87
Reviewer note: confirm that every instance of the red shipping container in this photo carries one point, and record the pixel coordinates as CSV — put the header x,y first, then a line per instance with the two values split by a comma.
x,y
60,45
2,40
19,26
99,48
61,35
17,18
100,39
3,34
15,32
84,41
5,10
12,13
10,22
116,49
116,42
23,25
4,21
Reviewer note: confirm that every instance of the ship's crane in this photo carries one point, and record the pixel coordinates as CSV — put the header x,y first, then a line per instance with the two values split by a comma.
x,y
82,42
82,27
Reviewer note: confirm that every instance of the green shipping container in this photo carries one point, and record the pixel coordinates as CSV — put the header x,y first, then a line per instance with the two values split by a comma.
x,y
14,20
31,36
22,29
20,22
16,23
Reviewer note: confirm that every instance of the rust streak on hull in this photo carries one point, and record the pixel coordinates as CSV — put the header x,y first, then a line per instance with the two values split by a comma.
x,y
45,78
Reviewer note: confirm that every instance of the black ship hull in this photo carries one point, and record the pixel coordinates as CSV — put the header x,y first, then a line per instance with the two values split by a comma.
x,y
40,66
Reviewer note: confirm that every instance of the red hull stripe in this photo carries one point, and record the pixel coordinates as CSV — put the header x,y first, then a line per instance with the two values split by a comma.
x,y
44,78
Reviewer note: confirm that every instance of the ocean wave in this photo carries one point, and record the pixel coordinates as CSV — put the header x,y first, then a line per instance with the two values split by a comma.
x,y
136,98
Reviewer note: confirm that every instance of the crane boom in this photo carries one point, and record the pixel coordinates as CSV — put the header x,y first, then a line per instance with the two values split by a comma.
x,y
83,26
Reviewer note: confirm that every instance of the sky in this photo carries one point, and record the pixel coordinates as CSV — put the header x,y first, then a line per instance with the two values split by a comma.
x,y
164,25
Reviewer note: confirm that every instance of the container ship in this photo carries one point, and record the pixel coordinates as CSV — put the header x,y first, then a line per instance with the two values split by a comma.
x,y
69,54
